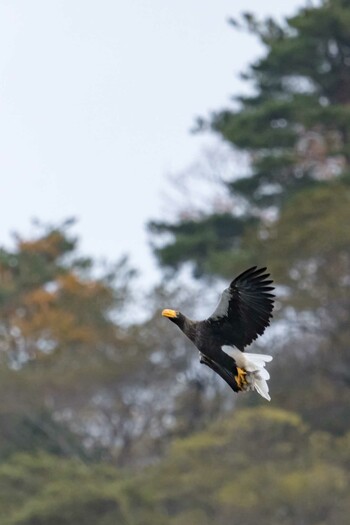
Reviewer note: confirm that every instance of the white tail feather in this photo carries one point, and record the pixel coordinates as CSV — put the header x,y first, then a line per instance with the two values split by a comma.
x,y
262,388
254,365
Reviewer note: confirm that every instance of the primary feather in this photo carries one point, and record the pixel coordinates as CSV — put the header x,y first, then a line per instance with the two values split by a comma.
x,y
245,308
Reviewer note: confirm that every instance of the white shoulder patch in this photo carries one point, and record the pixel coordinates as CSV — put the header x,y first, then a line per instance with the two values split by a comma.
x,y
237,355
222,308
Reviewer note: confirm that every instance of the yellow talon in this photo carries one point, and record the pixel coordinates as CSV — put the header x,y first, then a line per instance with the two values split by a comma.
x,y
241,378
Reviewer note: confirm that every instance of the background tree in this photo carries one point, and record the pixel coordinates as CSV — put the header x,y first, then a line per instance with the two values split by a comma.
x,y
291,210
294,128
57,334
80,375
104,419
294,475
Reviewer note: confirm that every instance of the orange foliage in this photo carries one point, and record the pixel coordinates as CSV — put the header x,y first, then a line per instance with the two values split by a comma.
x,y
50,245
38,299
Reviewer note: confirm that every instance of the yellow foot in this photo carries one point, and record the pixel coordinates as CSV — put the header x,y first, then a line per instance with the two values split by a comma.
x,y
241,378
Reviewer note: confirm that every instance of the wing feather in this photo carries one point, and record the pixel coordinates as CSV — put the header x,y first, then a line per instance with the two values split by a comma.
x,y
245,308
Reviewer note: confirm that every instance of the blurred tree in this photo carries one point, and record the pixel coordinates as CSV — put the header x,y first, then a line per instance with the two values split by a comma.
x,y
80,375
203,242
57,335
309,253
264,464
88,388
291,211
294,128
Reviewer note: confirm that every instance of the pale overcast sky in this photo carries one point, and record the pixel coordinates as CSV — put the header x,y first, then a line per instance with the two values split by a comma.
x,y
96,103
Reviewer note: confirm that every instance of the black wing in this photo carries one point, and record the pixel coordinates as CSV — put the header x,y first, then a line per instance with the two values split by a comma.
x,y
244,310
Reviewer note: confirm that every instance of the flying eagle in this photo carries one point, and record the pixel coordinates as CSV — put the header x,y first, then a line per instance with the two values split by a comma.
x,y
243,313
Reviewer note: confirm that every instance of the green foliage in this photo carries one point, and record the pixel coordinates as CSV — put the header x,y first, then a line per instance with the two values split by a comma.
x,y
76,382
42,489
261,463
256,462
323,242
295,129
59,345
293,207
202,241
86,398
37,431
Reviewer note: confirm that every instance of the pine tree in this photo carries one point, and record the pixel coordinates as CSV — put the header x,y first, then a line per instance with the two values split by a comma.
x,y
294,127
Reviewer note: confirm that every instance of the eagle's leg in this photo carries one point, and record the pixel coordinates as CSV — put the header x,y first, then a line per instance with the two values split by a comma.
x,y
241,378
222,372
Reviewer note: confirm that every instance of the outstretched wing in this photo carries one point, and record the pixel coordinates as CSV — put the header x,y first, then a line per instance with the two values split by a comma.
x,y
244,310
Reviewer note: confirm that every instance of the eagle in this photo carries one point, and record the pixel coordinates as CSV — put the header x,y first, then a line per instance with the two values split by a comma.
x,y
243,313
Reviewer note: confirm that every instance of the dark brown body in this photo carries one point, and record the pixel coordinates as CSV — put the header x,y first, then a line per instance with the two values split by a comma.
x,y
202,336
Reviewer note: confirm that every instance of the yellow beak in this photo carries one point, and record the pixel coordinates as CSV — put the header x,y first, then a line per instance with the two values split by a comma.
x,y
169,313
